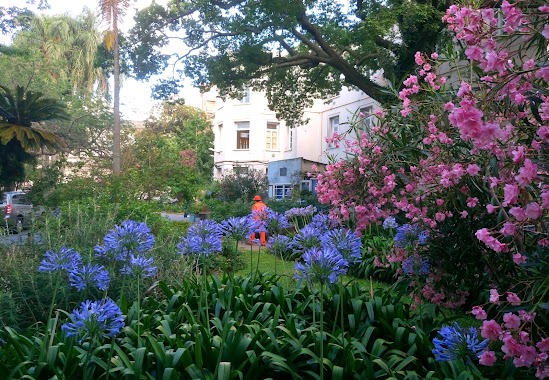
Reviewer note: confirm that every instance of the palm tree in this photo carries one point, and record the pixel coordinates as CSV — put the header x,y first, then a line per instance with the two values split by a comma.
x,y
112,10
69,48
20,139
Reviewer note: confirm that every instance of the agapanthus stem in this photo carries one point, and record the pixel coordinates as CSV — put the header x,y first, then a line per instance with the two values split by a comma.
x,y
321,331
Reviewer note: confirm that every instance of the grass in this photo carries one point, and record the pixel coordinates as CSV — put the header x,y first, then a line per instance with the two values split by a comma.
x,y
269,264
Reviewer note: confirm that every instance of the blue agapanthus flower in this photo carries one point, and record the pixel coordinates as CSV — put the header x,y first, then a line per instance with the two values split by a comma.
x,y
95,321
203,239
458,342
300,211
64,259
129,238
410,234
416,265
89,276
280,245
390,222
205,228
307,238
321,265
139,266
323,223
275,222
238,229
346,242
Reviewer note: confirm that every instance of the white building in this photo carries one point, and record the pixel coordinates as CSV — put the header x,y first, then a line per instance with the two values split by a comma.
x,y
248,135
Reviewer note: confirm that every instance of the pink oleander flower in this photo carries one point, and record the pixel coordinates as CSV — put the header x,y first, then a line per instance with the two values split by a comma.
x,y
513,299
510,194
518,213
491,330
511,320
487,358
526,316
519,259
473,169
472,202
494,296
491,208
532,210
543,345
479,312
419,59
508,229
528,355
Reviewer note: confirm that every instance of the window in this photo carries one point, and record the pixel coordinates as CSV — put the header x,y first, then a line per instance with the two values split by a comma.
x,y
283,172
290,136
367,120
220,132
333,127
246,97
282,191
240,170
242,135
271,143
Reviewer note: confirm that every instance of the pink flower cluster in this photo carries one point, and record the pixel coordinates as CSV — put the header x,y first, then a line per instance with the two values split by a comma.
x,y
492,134
514,334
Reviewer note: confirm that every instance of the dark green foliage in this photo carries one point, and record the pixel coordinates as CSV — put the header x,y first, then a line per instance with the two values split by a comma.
x,y
221,210
19,139
295,50
258,329
241,185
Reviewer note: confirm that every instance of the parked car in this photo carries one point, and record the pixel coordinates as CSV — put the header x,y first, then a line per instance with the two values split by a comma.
x,y
18,211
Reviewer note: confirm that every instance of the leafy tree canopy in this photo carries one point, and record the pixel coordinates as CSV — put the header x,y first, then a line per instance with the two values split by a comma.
x,y
191,130
295,50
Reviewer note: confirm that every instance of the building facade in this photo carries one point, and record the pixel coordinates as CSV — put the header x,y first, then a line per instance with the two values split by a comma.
x,y
249,136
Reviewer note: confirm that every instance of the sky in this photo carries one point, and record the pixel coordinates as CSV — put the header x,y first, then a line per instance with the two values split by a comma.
x,y
135,101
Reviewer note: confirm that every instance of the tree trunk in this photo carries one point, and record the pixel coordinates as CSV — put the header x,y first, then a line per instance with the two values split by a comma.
x,y
116,127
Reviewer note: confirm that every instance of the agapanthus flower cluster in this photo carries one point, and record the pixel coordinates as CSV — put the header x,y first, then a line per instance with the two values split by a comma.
x,y
346,242
455,342
95,321
203,239
89,276
409,234
65,259
307,238
295,212
139,266
280,245
390,222
415,265
321,265
323,222
238,228
123,240
275,222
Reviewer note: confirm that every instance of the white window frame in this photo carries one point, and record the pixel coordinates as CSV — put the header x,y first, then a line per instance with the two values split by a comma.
x,y
333,127
271,139
367,121
285,191
242,132
290,137
245,99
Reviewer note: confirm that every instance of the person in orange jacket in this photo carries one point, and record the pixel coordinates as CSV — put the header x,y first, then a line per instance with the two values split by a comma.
x,y
258,209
